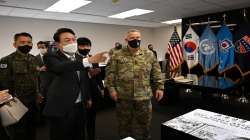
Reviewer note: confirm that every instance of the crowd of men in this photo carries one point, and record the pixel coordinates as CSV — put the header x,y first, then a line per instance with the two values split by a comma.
x,y
62,87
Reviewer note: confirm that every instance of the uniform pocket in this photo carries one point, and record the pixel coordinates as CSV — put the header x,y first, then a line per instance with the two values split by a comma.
x,y
20,67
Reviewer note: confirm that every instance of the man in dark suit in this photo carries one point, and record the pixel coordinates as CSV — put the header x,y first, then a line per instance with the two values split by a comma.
x,y
42,79
69,89
41,46
84,47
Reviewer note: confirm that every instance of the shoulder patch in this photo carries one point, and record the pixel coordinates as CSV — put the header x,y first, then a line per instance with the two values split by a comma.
x,y
3,66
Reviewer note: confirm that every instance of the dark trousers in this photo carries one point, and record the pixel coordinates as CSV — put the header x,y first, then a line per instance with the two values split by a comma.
x,y
41,118
68,127
25,129
3,135
90,121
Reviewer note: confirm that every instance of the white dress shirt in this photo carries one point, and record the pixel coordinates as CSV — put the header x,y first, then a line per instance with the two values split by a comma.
x,y
85,63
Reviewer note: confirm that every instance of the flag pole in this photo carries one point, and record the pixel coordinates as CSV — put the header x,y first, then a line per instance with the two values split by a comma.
x,y
190,23
224,18
245,15
175,28
208,21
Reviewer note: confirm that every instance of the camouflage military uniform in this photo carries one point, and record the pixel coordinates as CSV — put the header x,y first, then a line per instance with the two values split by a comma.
x,y
19,75
129,75
113,50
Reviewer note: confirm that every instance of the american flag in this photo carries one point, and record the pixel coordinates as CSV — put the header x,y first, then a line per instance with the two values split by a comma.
x,y
175,51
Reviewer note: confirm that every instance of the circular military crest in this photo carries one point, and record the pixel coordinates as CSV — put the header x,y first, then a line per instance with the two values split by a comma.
x,y
207,47
190,47
225,44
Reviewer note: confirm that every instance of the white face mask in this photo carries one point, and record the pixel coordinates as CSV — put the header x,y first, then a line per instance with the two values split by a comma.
x,y
43,51
70,48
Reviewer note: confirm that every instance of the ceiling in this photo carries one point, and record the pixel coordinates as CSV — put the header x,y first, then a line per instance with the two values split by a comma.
x,y
98,10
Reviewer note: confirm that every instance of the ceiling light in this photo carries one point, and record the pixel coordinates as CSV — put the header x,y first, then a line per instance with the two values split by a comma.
x,y
67,6
131,13
173,21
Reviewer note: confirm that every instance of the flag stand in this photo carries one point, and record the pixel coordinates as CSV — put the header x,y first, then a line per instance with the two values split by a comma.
x,y
243,98
224,96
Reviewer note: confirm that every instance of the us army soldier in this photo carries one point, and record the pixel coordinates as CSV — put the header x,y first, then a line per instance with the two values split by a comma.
x,y
128,75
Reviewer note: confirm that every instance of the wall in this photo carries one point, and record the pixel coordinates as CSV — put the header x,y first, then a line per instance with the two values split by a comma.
x,y
103,36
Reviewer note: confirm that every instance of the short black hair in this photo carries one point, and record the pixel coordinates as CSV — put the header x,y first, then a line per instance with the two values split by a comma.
x,y
83,41
117,43
17,35
150,45
41,42
59,31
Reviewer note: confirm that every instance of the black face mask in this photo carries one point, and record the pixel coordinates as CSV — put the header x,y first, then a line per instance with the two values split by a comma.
x,y
134,43
83,51
24,49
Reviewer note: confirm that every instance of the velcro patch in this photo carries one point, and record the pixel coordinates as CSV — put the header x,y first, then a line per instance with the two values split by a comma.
x,y
3,66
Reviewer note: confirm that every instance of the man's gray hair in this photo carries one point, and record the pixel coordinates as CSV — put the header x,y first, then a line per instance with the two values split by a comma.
x,y
133,30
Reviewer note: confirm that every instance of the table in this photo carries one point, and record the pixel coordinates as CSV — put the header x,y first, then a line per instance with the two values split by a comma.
x,y
206,84
202,124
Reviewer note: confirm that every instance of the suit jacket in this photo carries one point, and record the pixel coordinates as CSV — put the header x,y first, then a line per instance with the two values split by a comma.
x,y
65,84
96,81
39,60
43,76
